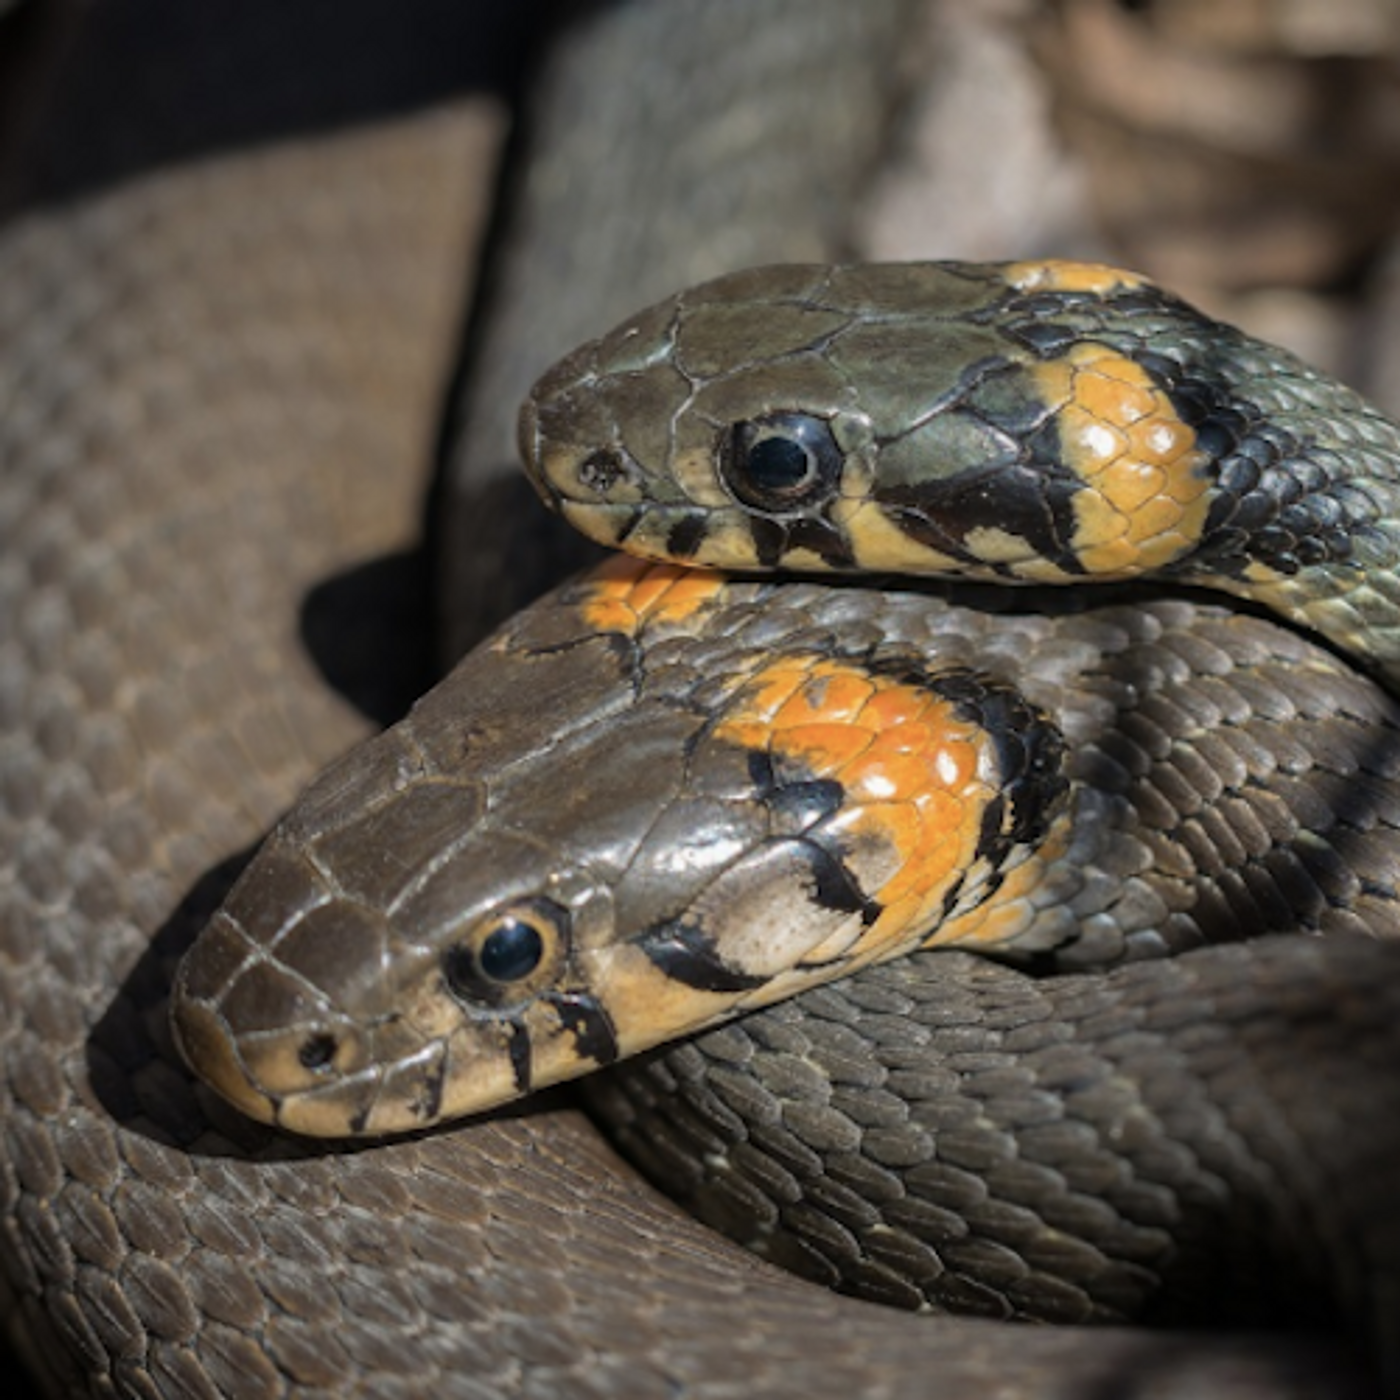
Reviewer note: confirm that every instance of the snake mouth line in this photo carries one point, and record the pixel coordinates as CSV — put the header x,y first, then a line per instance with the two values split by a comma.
x,y
381,1098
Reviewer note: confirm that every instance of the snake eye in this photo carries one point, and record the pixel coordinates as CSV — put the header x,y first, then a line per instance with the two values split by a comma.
x,y
506,954
781,462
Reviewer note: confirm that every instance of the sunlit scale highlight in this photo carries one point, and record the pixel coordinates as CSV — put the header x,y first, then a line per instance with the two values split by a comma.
x,y
1061,275
1146,490
916,777
626,593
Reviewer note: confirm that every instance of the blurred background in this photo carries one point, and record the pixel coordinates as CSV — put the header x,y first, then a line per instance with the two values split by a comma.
x,y
1245,154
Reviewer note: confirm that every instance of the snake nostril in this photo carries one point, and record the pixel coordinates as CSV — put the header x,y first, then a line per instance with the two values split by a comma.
x,y
603,470
317,1051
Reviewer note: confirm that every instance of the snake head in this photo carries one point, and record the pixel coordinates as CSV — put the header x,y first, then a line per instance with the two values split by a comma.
x,y
435,928
1015,422
627,818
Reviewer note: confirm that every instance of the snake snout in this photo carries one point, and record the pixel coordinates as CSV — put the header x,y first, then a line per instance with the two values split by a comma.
x,y
258,1073
593,471
285,1008
597,451
261,1034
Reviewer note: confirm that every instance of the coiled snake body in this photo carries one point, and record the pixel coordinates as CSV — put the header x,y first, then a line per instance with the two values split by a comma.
x,y
748,790
155,1242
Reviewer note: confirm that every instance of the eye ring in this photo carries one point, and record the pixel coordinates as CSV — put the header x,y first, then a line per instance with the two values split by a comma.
x,y
506,956
781,463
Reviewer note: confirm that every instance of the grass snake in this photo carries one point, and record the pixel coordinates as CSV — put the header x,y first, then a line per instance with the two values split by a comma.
x,y
157,468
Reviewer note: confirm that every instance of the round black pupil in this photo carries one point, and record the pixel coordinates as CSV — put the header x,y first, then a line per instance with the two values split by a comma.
x,y
779,464
512,951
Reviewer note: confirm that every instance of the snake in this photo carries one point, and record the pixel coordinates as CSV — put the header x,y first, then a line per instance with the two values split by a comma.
x,y
154,1240
752,790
